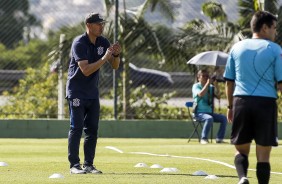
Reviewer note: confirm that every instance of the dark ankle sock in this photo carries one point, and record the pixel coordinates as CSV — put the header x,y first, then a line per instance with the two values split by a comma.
x,y
263,172
241,163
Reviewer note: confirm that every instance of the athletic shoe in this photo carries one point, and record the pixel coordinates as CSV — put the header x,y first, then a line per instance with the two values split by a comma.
x,y
220,141
204,141
76,169
91,169
244,180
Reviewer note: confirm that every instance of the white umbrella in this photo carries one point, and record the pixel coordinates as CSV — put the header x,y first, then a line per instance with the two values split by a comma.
x,y
212,58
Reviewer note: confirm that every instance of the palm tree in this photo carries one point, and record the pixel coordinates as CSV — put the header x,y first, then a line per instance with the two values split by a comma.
x,y
214,11
137,36
279,28
165,8
248,7
198,35
271,6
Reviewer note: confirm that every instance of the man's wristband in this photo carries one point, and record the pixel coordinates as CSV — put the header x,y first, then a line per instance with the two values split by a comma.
x,y
116,55
229,106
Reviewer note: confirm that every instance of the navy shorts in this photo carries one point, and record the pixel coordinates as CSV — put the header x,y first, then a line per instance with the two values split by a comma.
x,y
254,118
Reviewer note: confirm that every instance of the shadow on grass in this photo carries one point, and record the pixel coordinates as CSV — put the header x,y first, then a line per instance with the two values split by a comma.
x,y
168,174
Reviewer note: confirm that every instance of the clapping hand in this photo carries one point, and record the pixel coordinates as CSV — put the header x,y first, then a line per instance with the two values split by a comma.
x,y
116,49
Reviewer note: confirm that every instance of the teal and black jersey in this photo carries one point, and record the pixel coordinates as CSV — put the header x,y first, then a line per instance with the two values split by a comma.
x,y
257,64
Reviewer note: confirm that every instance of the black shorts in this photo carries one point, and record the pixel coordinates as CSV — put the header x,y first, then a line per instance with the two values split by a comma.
x,y
254,118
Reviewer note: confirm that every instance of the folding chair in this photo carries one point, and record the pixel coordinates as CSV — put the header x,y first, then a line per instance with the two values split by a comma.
x,y
196,124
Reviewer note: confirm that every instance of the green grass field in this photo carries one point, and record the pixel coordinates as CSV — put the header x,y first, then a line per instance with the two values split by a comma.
x,y
34,160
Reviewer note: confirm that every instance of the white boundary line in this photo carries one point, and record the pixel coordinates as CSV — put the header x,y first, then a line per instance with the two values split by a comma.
x,y
196,158
114,148
174,156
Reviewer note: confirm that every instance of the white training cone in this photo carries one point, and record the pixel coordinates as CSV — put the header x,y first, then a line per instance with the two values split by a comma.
x,y
199,173
169,170
212,177
3,164
173,169
56,175
156,166
141,165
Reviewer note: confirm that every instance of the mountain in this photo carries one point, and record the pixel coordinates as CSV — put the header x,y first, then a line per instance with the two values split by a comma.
x,y
57,13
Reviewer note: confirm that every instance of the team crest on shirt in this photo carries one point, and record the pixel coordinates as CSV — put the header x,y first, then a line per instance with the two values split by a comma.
x,y
76,102
100,50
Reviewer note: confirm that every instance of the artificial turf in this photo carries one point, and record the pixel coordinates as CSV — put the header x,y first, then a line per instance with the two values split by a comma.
x,y
34,160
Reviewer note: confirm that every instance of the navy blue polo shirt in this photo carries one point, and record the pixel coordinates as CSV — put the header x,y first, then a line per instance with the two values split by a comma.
x,y
79,85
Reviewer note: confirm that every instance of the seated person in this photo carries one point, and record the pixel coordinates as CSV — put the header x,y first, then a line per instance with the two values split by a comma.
x,y
202,95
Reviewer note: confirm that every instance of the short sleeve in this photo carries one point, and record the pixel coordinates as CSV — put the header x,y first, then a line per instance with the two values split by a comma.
x,y
229,73
195,90
278,64
79,51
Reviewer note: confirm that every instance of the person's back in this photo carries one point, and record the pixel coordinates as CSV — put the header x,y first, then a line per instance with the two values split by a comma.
x,y
253,70
254,62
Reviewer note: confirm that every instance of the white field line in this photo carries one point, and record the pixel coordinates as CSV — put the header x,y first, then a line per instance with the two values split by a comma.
x,y
196,158
174,156
114,148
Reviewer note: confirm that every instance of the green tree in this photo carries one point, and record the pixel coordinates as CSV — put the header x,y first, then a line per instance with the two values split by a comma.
x,y
165,8
169,56
246,10
271,6
34,97
14,17
199,36
137,36
214,10
279,27
24,56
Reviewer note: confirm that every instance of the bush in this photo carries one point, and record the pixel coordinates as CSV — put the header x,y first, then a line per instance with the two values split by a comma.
x,y
34,97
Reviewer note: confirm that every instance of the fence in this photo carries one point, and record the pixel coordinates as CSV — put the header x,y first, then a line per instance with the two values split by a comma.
x,y
157,42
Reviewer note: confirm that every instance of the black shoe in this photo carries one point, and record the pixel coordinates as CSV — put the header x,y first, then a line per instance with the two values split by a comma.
x,y
91,169
76,169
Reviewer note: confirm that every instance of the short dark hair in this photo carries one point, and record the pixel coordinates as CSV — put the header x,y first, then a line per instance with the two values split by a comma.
x,y
260,18
203,71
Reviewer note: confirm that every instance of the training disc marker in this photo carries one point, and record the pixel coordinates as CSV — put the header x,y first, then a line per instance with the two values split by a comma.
x,y
3,164
56,175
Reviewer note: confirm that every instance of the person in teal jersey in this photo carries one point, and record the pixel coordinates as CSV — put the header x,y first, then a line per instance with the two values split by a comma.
x,y
253,74
203,92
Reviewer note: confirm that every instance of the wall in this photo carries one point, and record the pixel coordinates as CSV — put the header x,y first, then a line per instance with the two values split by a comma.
x,y
122,129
